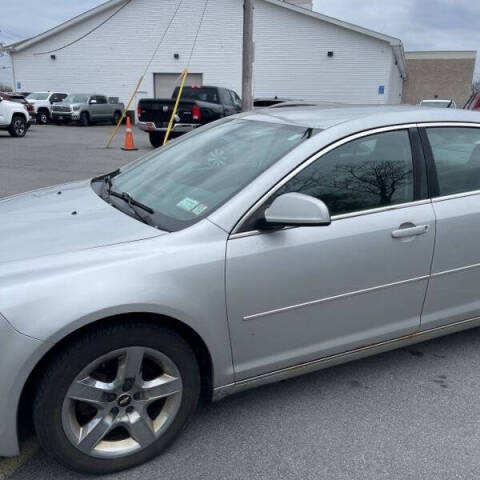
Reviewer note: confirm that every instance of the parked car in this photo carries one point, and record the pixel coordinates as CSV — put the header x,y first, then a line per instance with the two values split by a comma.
x,y
473,103
249,251
42,103
87,109
437,103
198,106
14,117
20,98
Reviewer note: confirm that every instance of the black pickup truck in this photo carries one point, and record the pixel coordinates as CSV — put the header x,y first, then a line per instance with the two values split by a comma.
x,y
198,106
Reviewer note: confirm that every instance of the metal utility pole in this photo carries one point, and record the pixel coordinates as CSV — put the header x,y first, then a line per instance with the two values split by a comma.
x,y
247,80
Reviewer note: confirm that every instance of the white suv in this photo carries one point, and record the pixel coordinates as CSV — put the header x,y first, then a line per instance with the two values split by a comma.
x,y
14,117
42,103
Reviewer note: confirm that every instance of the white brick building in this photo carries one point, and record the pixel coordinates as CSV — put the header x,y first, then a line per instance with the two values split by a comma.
x,y
299,54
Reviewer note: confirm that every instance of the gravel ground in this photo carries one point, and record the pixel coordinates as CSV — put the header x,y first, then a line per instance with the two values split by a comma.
x,y
408,414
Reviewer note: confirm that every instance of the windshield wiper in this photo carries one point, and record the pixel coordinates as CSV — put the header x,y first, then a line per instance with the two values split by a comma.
x,y
106,177
308,133
107,182
125,196
107,192
132,203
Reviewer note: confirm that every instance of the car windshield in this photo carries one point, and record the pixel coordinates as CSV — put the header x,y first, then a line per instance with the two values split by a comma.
x,y
76,98
188,179
38,96
437,103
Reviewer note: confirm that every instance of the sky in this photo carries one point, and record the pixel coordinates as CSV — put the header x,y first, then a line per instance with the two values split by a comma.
x,y
420,24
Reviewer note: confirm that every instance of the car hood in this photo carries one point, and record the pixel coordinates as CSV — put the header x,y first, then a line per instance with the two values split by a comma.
x,y
63,219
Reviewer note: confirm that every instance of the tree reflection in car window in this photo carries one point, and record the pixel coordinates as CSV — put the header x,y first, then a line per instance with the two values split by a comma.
x,y
370,172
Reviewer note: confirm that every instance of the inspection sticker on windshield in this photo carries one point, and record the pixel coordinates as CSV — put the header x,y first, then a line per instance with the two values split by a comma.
x,y
187,204
199,209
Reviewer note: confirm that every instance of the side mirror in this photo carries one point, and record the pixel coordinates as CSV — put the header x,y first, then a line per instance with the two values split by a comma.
x,y
297,209
92,102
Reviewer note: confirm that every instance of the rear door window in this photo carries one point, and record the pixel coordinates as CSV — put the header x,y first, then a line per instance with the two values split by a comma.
x,y
456,153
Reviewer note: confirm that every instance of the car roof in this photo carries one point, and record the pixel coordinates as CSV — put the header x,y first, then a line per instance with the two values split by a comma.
x,y
273,98
328,115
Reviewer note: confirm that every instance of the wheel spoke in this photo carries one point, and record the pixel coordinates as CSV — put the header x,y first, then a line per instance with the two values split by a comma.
x,y
123,387
130,366
94,431
164,386
89,391
140,428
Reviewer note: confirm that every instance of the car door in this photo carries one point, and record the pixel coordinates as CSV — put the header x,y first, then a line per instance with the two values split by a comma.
x,y
227,101
236,101
103,107
95,108
453,293
299,294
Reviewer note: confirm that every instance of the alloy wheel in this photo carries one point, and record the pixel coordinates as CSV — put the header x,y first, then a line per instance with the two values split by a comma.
x,y
122,402
19,127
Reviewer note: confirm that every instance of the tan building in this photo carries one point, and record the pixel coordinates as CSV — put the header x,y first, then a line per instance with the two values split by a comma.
x,y
442,75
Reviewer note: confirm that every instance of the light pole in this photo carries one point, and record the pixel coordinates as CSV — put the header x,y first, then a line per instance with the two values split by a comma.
x,y
247,73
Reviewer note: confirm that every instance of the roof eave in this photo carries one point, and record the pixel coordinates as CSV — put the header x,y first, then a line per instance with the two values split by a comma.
x,y
335,21
399,53
21,45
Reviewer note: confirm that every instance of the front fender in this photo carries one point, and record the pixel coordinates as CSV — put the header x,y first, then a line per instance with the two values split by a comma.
x,y
180,275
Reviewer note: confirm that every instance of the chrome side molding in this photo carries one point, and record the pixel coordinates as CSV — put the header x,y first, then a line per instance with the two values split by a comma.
x,y
335,297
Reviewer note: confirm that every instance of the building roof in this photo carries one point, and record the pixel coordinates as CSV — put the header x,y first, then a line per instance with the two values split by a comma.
x,y
442,55
395,43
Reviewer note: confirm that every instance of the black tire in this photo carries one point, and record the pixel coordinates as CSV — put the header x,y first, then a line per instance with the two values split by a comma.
x,y
43,117
64,368
84,119
18,127
116,118
156,139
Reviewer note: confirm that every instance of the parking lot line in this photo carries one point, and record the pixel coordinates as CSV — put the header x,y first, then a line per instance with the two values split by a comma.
x,y
8,466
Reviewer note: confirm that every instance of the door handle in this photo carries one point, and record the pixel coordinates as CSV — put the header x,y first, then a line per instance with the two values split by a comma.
x,y
411,231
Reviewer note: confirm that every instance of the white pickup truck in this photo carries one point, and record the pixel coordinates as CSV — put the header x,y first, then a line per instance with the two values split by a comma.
x,y
14,117
42,103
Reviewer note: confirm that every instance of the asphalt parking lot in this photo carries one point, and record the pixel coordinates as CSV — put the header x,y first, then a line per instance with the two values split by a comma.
x,y
409,414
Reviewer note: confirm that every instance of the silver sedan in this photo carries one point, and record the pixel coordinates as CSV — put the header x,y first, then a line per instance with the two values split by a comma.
x,y
260,247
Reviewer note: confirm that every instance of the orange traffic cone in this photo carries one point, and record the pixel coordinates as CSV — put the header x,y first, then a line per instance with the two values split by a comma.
x,y
129,143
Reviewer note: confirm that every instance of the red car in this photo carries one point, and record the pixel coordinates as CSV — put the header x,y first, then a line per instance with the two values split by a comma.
x,y
473,102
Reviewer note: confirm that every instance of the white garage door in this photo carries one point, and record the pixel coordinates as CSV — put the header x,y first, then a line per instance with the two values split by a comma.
x,y
165,83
